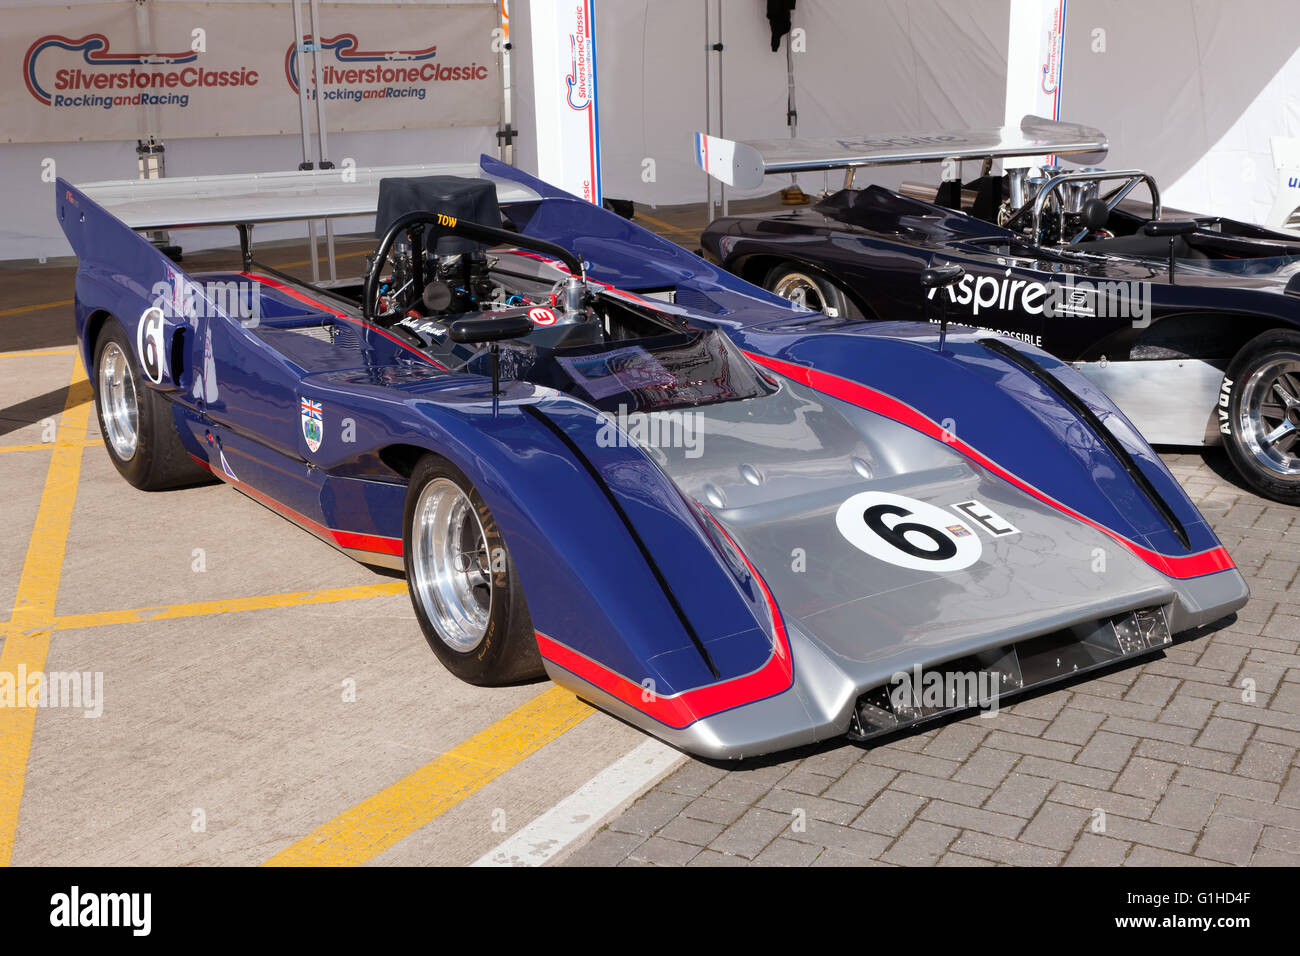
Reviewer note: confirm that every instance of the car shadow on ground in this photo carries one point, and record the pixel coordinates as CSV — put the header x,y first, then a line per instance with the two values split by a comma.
x,y
19,333
796,754
43,407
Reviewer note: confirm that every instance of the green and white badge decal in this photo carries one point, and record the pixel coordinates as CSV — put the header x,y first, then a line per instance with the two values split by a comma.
x,y
313,424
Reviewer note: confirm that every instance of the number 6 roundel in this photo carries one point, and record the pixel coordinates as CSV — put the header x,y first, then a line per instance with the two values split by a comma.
x,y
906,532
150,343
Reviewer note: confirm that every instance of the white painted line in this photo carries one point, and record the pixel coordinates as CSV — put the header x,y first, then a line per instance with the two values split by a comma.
x,y
587,808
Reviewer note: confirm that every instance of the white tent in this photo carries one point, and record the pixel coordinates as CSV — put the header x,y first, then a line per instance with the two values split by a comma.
x,y
1190,90
882,66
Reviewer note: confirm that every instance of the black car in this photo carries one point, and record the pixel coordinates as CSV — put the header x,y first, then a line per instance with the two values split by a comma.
x,y
1191,325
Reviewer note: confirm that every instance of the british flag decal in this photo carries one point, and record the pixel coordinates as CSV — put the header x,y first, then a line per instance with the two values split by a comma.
x,y
313,427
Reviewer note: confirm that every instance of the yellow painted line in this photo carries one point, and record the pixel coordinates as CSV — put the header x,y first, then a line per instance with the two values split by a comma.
x,y
48,445
665,225
39,307
324,260
27,635
397,811
173,612
37,353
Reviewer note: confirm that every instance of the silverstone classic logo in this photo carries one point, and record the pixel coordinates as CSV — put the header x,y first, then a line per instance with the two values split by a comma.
x,y
64,72
1055,43
351,73
576,83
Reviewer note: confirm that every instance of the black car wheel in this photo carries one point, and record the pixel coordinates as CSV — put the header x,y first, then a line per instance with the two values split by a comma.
x,y
463,585
1259,414
136,421
811,289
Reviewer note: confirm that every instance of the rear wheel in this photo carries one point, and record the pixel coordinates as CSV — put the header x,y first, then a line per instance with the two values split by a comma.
x,y
136,421
811,289
1259,414
462,582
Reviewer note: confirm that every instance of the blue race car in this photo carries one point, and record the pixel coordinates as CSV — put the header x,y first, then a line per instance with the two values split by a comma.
x,y
727,520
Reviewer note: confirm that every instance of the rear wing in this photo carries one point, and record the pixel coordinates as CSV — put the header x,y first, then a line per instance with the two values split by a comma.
x,y
745,164
246,198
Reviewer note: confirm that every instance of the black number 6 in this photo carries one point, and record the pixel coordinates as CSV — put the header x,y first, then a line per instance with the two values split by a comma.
x,y
874,518
151,333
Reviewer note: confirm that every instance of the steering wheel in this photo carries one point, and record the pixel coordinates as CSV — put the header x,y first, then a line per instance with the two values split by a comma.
x,y
414,227
422,227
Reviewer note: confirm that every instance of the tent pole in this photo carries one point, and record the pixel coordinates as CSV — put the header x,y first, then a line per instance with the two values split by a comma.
x,y
506,133
305,123
316,34
722,119
791,114
708,112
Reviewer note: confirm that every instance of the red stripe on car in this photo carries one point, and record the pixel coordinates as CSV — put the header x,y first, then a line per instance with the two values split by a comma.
x,y
684,708
1175,566
355,540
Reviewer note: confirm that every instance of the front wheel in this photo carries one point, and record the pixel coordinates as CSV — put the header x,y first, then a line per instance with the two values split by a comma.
x,y
1259,414
462,582
811,289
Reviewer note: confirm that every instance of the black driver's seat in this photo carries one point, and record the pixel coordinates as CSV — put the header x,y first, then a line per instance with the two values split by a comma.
x,y
1143,246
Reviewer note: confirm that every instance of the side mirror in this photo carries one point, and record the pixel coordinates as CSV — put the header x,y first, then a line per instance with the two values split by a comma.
x,y
472,331
1170,227
937,277
940,277
493,331
1173,228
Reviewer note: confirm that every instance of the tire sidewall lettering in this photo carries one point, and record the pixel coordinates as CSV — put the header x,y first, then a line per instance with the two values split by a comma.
x,y
1224,409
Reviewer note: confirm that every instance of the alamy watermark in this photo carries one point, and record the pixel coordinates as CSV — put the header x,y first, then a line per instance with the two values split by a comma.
x,y
1068,297
82,690
944,690
674,429
184,298
75,908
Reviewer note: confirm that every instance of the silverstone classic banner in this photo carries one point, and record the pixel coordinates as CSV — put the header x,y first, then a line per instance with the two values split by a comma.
x,y
104,71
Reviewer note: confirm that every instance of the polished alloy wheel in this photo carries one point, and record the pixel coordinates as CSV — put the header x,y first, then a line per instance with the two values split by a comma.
x,y
451,564
800,289
1270,414
118,402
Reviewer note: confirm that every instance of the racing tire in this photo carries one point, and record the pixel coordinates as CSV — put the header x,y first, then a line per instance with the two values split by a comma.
x,y
136,421
810,288
1259,414
462,581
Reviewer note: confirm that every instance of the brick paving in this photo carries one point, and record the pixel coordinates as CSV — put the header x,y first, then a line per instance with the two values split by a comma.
x,y
1166,763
